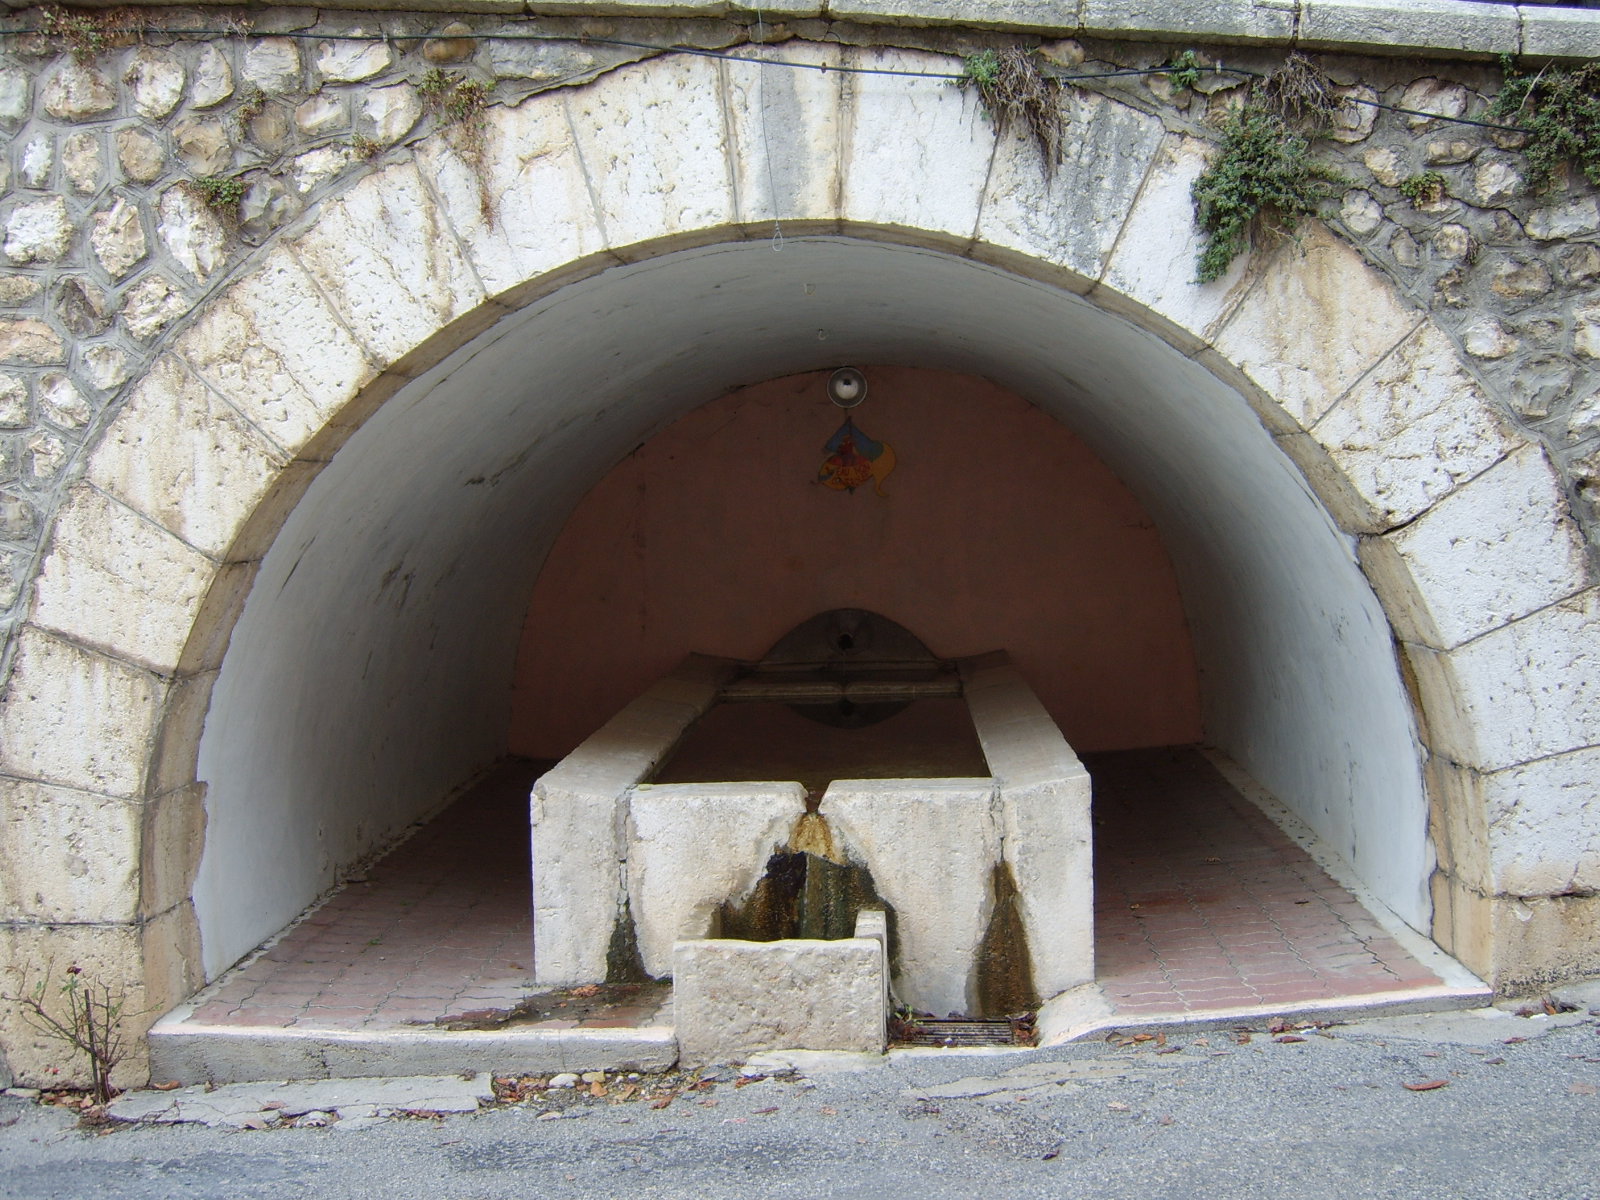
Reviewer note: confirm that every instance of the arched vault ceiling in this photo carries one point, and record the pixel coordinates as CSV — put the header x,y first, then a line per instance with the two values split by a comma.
x,y
373,659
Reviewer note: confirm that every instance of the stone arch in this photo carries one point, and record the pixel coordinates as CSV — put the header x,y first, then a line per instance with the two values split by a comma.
x,y
1459,523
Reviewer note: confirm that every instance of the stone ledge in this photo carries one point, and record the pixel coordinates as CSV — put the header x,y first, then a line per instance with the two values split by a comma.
x,y
1402,27
1441,28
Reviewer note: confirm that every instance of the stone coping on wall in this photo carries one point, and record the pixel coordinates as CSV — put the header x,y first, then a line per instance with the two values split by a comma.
x,y
1441,28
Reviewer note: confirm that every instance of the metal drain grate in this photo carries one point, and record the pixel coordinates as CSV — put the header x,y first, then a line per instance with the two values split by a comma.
x,y
951,1032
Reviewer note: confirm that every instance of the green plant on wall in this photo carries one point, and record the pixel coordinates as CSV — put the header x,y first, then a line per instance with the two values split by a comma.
x,y
1560,111
252,103
460,104
86,33
1263,177
1184,71
1426,187
221,192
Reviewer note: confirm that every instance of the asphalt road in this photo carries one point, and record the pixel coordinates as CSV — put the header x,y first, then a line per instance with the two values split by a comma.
x,y
1199,1116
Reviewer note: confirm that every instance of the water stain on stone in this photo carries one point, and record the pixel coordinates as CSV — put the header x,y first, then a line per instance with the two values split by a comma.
x,y
813,835
624,964
805,894
1005,968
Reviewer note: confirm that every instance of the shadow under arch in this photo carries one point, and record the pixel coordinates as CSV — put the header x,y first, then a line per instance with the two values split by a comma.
x,y
368,655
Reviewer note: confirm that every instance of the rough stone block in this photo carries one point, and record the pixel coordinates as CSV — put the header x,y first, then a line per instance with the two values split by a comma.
x,y
533,187
277,353
76,91
31,342
784,126
1296,334
192,232
156,80
691,846
191,1055
1021,744
69,856
931,845
151,305
118,238
917,155
1558,222
1219,20
1545,940
731,999
13,95
1531,689
1496,549
1050,847
389,113
273,65
654,147
1414,429
117,581
577,882
1154,261
385,257
981,14
169,944
1559,33
1044,817
172,838
1074,215
110,708
1544,825
212,81
183,457
352,61
39,232
579,815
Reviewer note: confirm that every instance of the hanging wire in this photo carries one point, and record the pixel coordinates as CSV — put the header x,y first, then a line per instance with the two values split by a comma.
x,y
766,141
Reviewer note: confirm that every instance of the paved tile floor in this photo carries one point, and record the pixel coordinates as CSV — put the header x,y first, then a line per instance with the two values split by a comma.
x,y
440,927
1202,904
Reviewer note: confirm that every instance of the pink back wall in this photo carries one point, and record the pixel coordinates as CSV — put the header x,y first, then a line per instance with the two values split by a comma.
x,y
999,530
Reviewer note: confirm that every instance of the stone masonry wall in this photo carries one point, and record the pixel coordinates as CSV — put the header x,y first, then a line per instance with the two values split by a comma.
x,y
118,218
110,237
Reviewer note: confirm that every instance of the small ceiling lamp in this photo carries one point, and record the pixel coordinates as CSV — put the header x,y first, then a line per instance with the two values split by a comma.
x,y
847,387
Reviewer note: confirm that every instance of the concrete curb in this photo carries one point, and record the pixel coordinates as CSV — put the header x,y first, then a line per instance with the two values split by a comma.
x,y
1072,1023
242,1054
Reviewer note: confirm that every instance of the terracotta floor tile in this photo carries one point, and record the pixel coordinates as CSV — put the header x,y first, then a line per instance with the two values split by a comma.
x,y
1260,919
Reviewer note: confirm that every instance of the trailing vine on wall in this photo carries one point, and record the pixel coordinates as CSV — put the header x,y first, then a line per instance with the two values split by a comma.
x,y
1264,177
1560,110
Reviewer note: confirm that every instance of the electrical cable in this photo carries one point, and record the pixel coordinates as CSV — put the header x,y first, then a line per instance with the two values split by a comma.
x,y
732,56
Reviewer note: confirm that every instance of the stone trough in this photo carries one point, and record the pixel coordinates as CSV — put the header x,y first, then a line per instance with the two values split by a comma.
x,y
983,880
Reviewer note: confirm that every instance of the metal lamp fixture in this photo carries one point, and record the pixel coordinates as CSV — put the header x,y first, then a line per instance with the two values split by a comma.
x,y
847,387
